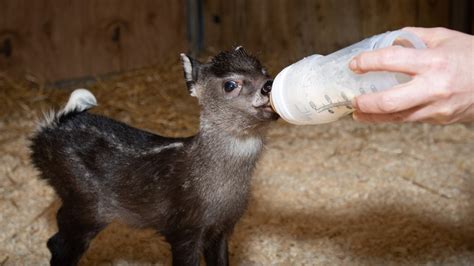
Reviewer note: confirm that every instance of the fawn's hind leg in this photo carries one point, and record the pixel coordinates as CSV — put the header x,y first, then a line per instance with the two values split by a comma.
x,y
75,231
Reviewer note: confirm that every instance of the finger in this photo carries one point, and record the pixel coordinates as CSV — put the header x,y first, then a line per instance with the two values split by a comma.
x,y
430,36
430,113
393,59
379,118
396,99
445,112
430,121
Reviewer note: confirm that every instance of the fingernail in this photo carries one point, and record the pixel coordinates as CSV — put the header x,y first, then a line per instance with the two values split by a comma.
x,y
354,116
353,64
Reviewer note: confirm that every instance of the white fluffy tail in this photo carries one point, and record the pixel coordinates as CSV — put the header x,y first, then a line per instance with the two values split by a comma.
x,y
80,100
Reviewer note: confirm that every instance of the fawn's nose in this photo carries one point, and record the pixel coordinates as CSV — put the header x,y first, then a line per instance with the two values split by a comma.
x,y
267,87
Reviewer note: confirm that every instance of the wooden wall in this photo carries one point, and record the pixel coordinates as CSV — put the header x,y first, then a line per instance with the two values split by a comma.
x,y
291,29
64,39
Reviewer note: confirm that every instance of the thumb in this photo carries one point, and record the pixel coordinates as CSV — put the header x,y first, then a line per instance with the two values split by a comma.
x,y
396,99
393,59
430,36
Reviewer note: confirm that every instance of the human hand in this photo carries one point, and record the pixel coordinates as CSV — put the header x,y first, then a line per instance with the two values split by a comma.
x,y
442,88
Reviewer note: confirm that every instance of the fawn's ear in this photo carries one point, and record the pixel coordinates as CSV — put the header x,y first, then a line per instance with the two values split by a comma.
x,y
191,72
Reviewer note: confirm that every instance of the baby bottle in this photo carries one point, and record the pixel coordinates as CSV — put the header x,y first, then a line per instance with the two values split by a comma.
x,y
319,89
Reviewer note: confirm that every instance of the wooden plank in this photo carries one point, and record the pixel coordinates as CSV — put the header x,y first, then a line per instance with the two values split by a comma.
x,y
328,25
282,29
67,39
292,29
213,19
380,16
460,15
433,13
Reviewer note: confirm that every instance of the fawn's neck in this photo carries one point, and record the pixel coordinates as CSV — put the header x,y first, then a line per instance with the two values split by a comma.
x,y
220,145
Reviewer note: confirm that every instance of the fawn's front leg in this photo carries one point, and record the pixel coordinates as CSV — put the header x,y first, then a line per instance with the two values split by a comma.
x,y
185,247
215,249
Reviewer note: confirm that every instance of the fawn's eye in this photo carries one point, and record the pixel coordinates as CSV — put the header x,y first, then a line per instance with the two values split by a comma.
x,y
230,86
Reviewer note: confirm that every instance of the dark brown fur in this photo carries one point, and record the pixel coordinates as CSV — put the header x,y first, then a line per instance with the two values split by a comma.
x,y
191,190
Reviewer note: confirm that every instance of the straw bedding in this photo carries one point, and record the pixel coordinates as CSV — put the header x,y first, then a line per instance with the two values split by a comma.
x,y
337,194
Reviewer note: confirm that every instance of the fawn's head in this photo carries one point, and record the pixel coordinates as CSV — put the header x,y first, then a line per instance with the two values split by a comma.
x,y
233,90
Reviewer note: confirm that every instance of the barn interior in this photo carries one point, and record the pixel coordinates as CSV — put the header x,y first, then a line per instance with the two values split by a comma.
x,y
343,193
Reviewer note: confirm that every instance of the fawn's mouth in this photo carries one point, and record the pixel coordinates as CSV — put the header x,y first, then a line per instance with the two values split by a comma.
x,y
268,112
264,105
268,108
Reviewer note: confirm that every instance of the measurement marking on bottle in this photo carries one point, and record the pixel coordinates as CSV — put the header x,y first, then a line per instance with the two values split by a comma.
x,y
343,95
328,99
373,88
346,99
328,107
331,104
305,111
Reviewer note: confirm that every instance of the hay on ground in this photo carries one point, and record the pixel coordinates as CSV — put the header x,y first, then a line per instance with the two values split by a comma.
x,y
335,194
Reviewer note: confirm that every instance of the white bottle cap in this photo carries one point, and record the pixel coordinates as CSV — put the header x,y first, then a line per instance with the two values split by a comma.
x,y
278,99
